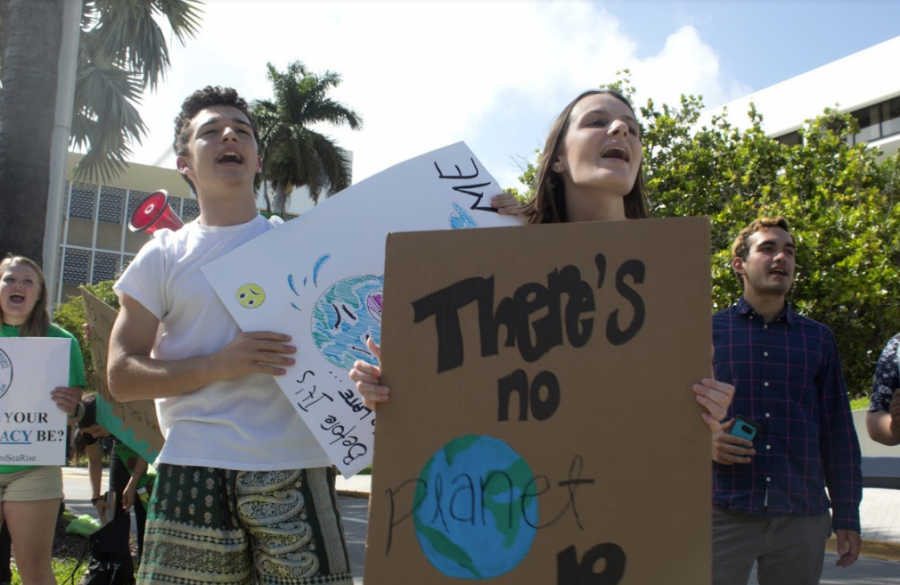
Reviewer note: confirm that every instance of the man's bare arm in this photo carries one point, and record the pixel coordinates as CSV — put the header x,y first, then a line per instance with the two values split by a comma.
x,y
134,375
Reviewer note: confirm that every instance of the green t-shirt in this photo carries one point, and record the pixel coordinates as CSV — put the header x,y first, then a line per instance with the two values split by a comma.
x,y
76,370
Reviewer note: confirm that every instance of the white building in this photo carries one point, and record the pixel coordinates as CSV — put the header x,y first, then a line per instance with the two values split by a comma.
x,y
861,84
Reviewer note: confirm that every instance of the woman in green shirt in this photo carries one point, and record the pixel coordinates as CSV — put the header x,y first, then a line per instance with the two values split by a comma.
x,y
29,495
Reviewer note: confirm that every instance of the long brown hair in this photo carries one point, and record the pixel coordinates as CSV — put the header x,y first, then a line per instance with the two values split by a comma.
x,y
39,320
548,205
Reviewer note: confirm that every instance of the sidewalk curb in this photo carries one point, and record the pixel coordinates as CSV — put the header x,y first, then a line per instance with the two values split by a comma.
x,y
873,549
353,494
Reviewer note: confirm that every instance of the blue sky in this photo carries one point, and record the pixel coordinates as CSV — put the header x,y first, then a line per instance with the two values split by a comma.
x,y
427,74
763,43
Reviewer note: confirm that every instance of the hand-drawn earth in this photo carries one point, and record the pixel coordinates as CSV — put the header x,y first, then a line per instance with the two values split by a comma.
x,y
469,513
345,316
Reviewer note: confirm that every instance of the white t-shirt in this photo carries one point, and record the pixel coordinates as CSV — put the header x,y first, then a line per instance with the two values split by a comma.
x,y
247,424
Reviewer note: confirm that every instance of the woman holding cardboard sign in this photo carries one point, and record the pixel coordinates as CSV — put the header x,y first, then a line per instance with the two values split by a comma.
x,y
29,495
589,170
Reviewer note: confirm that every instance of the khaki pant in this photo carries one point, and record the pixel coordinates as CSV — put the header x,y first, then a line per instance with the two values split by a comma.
x,y
789,550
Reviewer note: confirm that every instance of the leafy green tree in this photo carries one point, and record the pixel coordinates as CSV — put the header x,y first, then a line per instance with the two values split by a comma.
x,y
71,316
293,153
122,51
839,199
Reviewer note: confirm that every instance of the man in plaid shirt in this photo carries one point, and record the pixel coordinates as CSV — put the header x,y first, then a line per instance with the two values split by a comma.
x,y
769,498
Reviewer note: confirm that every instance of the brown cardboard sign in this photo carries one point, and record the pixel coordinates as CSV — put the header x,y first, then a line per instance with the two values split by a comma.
x,y
542,427
133,423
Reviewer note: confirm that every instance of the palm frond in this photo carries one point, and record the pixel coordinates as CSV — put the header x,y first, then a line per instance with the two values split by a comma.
x,y
334,113
122,51
105,119
184,17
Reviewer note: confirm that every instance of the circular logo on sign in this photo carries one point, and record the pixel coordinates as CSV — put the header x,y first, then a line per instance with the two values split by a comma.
x,y
6,373
476,508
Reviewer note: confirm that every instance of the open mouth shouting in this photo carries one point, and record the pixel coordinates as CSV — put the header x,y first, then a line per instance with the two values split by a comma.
x,y
230,157
617,153
779,271
16,299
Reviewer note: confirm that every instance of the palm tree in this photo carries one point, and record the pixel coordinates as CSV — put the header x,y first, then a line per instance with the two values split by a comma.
x,y
122,51
293,154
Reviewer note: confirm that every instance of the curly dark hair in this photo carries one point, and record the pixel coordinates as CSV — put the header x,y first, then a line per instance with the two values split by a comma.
x,y
199,100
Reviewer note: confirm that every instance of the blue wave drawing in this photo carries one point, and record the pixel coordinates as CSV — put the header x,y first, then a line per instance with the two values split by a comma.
x,y
460,219
322,259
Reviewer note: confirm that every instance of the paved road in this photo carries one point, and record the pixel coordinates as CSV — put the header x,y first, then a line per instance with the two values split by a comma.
x,y
355,513
864,572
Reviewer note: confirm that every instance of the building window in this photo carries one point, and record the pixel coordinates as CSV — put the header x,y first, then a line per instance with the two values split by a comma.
x,y
112,204
75,269
190,209
890,117
792,139
869,119
106,267
83,201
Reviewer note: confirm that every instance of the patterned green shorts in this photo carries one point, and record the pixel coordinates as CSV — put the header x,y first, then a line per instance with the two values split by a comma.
x,y
221,526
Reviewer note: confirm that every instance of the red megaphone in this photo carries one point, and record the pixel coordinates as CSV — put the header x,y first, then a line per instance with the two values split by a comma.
x,y
155,213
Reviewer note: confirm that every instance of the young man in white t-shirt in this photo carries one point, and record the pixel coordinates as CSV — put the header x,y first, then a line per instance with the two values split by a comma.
x,y
244,492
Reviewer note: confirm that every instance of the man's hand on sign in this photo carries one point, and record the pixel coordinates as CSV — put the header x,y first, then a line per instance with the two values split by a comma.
x,y
253,352
728,449
507,204
715,396
67,398
86,331
368,376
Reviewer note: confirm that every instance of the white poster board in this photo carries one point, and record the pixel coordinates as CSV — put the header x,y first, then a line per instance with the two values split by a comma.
x,y
32,428
319,278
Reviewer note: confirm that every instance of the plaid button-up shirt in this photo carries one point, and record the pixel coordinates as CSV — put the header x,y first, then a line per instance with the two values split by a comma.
x,y
788,380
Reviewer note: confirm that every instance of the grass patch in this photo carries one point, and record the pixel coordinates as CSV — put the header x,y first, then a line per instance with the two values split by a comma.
x,y
859,403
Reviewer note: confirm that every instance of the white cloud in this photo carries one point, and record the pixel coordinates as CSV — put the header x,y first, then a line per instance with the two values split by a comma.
x,y
426,74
